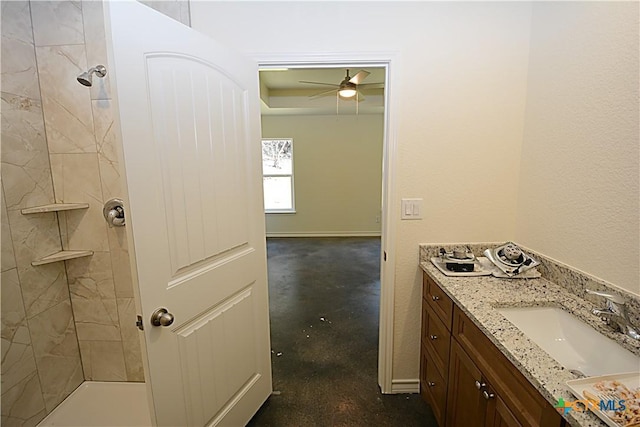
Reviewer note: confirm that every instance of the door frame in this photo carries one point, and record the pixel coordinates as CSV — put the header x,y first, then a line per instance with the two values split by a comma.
x,y
388,61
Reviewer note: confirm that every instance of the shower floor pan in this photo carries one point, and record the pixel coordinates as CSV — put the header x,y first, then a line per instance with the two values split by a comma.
x,y
96,403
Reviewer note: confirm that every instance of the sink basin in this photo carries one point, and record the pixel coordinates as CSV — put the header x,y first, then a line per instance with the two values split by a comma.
x,y
574,344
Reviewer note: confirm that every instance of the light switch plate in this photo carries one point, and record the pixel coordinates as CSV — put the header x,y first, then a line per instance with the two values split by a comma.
x,y
411,209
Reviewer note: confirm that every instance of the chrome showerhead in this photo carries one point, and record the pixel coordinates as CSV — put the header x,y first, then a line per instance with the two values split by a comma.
x,y
86,77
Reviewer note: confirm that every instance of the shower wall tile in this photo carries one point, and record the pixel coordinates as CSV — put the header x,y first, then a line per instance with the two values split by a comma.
x,y
93,298
23,405
127,317
57,354
57,22
19,74
108,156
133,360
17,355
65,102
103,360
91,277
76,178
26,174
96,45
8,258
96,319
35,236
120,262
185,12
112,186
85,356
175,9
16,21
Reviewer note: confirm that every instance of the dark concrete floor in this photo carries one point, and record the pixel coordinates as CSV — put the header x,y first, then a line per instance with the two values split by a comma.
x,y
324,305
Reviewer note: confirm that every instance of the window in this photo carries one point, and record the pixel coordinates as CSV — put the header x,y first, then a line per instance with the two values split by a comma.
x,y
277,175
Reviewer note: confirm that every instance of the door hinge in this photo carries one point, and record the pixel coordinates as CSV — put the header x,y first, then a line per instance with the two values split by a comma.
x,y
385,255
139,323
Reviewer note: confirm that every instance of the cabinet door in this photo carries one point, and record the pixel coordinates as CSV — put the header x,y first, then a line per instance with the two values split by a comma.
x,y
433,387
499,415
465,405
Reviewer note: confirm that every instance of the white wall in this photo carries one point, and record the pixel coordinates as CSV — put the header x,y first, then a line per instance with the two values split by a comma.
x,y
459,92
579,196
338,174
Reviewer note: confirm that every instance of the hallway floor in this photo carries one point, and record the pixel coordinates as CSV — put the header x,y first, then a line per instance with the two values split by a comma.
x,y
324,306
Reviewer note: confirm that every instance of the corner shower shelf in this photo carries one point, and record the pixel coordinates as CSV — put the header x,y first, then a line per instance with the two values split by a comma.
x,y
54,207
61,256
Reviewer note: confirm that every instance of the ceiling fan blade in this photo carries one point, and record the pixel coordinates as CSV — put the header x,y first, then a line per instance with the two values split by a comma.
x,y
319,83
326,92
371,86
358,78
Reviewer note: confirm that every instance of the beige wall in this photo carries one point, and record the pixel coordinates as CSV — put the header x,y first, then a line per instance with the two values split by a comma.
x,y
338,174
579,196
67,321
459,97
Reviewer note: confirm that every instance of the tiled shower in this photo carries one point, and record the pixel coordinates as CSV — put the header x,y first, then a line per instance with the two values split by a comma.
x,y
69,321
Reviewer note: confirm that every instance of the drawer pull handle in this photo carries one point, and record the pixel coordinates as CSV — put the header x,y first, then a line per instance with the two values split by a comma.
x,y
431,384
479,385
488,395
435,297
433,337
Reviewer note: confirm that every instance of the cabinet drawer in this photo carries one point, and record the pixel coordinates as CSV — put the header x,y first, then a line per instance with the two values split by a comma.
x,y
438,340
508,382
433,387
439,302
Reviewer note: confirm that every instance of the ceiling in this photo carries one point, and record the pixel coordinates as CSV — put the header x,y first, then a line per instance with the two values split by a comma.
x,y
282,93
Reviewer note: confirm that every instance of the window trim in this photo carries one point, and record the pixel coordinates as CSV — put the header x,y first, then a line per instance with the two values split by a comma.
x,y
291,175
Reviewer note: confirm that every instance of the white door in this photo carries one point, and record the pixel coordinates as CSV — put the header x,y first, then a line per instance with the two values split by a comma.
x,y
190,123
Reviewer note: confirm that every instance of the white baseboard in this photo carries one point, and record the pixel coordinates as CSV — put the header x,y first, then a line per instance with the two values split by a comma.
x,y
405,386
327,234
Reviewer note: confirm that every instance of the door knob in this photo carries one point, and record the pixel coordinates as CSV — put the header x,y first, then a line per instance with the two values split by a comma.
x,y
161,317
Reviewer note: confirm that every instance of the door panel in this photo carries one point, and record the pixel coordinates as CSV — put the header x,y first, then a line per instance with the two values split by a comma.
x,y
206,214
218,357
189,117
499,415
465,405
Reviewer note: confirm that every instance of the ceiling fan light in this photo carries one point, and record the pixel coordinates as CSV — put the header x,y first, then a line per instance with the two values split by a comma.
x,y
347,92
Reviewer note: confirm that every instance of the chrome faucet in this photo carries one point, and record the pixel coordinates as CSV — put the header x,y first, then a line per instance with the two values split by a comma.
x,y
615,314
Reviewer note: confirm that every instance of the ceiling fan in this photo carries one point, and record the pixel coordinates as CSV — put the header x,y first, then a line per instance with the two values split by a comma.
x,y
349,87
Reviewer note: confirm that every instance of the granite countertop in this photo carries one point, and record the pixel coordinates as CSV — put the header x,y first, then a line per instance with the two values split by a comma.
x,y
479,297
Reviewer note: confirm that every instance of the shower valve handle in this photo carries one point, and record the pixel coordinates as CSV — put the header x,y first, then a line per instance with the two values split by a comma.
x,y
113,212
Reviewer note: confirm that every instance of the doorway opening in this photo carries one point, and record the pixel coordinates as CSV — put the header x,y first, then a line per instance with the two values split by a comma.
x,y
340,125
324,295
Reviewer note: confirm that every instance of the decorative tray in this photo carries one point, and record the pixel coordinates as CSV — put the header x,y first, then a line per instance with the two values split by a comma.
x,y
479,269
615,399
483,267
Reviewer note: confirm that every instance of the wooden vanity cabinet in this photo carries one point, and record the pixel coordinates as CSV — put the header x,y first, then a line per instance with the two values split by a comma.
x,y
475,385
